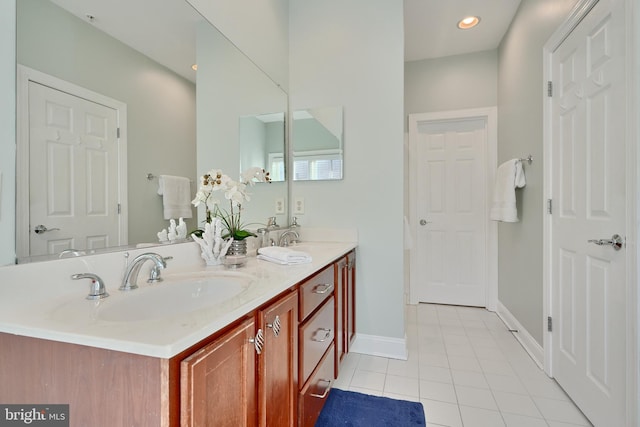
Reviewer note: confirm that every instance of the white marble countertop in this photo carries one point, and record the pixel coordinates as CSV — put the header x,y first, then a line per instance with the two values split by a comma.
x,y
48,305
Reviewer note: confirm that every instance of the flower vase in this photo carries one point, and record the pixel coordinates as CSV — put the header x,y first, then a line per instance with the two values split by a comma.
x,y
236,254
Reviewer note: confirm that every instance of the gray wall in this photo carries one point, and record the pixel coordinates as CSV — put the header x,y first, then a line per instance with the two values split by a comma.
x,y
310,134
520,122
350,53
451,83
160,104
7,131
260,29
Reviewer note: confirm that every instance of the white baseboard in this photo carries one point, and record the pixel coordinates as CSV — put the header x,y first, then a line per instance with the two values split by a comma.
x,y
530,345
375,345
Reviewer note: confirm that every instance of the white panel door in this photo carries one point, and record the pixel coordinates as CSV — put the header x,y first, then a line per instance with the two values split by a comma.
x,y
451,212
73,180
588,186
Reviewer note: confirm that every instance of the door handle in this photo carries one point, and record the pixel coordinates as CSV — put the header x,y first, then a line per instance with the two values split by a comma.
x,y
616,242
424,222
39,229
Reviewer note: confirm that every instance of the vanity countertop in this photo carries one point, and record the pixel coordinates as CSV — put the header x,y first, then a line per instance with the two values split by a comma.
x,y
32,306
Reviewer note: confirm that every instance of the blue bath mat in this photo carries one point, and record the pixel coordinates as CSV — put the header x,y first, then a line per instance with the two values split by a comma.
x,y
351,409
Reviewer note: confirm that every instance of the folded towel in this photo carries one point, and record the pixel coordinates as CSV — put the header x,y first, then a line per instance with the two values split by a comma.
x,y
509,177
176,196
284,256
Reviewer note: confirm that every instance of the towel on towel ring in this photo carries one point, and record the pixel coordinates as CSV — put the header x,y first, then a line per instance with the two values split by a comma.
x,y
509,176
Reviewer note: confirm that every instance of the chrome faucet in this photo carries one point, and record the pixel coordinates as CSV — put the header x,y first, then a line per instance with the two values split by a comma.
x,y
97,289
71,252
263,233
130,279
284,237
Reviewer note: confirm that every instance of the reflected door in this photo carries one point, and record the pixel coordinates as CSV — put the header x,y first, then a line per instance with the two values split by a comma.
x,y
588,280
74,173
451,212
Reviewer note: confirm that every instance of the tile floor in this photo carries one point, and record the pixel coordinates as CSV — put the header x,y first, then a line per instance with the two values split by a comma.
x,y
468,370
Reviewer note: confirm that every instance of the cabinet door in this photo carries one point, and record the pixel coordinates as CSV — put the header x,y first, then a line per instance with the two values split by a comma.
x,y
351,298
278,363
217,383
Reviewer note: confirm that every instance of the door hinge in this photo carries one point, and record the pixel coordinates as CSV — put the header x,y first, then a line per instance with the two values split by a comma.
x,y
549,324
118,133
119,208
549,88
549,206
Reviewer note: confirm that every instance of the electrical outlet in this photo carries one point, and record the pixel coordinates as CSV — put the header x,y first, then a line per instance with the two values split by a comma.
x,y
298,206
280,205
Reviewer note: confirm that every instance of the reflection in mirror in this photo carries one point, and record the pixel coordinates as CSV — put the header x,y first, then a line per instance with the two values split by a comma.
x,y
114,50
261,145
234,98
318,143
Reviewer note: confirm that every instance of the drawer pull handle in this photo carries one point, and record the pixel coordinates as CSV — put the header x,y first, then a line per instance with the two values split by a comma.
x,y
258,341
325,392
322,288
275,326
327,334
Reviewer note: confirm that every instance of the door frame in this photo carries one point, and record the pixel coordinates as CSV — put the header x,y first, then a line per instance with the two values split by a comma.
x,y
580,10
24,76
490,114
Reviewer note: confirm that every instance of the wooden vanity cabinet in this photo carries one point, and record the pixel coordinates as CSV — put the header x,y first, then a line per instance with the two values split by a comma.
x,y
218,382
248,376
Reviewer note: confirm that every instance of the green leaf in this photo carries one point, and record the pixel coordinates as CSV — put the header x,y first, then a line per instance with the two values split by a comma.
x,y
242,234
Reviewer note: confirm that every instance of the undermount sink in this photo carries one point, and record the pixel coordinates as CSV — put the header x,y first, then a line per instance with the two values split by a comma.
x,y
177,294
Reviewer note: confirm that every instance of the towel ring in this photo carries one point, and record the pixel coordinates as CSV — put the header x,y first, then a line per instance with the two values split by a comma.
x,y
528,159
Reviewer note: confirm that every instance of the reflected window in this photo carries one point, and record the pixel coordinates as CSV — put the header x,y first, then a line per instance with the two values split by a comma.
x,y
320,166
276,166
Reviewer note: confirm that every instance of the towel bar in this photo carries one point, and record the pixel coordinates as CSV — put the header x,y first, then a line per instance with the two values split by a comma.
x,y
151,177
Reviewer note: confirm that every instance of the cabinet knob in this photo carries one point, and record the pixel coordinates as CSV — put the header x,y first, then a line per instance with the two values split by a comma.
x,y
275,326
258,341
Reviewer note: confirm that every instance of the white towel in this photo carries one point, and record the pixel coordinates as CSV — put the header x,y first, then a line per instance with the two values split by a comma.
x,y
509,177
176,196
284,256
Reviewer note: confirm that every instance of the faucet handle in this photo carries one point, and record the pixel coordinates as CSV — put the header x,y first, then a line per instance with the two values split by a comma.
x,y
271,223
97,289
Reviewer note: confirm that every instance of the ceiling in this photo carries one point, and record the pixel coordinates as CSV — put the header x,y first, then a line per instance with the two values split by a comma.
x,y
430,29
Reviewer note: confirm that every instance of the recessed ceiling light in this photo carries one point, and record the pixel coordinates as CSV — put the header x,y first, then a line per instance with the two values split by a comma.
x,y
194,67
468,22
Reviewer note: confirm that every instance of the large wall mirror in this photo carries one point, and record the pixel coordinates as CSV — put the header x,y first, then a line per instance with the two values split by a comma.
x,y
139,54
317,143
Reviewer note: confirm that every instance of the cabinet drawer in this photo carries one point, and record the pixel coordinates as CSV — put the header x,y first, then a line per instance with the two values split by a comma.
x,y
316,335
315,393
315,290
